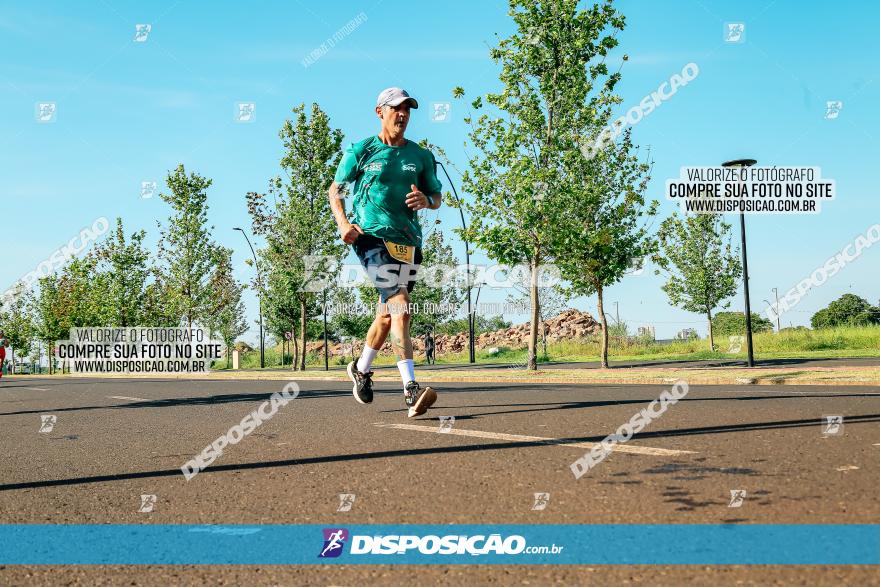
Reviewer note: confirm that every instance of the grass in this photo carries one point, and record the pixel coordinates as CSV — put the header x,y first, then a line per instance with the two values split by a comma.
x,y
849,341
251,360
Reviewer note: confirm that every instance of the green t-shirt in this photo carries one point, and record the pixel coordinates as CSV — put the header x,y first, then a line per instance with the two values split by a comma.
x,y
382,176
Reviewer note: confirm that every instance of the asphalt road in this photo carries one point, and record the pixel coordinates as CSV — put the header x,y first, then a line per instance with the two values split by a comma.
x,y
115,440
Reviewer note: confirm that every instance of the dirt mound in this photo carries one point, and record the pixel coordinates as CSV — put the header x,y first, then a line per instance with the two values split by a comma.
x,y
569,325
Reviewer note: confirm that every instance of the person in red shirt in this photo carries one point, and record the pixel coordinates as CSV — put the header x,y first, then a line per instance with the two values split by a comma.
x,y
3,345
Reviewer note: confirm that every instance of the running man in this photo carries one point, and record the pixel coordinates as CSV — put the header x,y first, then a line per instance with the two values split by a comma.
x,y
334,542
429,348
392,178
3,345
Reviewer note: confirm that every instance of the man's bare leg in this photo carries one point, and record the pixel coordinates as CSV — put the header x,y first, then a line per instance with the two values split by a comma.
x,y
380,327
360,371
398,308
418,400
376,336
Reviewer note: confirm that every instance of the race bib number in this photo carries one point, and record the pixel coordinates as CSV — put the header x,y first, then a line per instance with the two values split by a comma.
x,y
403,253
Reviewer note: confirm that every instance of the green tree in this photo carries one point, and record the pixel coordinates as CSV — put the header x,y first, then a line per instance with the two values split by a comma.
x,y
281,300
82,294
17,324
156,312
312,153
299,227
186,246
351,315
125,267
600,218
435,290
603,225
226,315
74,298
481,324
728,323
48,316
548,68
702,266
847,310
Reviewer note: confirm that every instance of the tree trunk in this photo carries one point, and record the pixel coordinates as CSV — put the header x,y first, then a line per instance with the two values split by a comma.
x,y
533,332
12,352
603,347
302,331
711,336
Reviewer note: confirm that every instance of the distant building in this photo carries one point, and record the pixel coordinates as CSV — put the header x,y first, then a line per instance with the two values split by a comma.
x,y
646,332
687,334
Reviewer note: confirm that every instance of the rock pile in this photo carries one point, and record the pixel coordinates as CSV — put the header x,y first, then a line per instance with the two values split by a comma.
x,y
569,325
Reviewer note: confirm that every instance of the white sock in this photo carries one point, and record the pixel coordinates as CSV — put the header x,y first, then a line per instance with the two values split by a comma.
x,y
407,371
366,360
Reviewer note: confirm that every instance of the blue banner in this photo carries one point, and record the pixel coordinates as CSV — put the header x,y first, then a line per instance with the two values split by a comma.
x,y
614,544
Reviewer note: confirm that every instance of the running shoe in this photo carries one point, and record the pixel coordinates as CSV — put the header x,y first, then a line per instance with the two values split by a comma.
x,y
362,390
418,400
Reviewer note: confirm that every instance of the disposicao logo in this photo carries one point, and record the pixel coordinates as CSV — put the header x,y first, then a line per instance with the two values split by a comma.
x,y
442,545
408,544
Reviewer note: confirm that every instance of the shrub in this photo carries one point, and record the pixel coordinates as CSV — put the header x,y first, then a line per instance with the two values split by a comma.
x,y
727,323
847,310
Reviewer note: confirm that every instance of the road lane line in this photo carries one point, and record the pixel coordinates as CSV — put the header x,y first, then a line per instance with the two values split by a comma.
x,y
624,448
37,388
134,399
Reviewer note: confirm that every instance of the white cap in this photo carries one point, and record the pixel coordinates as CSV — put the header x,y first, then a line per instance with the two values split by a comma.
x,y
395,97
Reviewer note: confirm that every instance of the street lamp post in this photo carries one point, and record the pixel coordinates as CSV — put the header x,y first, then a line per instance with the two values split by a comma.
x,y
477,301
326,359
259,298
776,309
467,256
769,305
745,260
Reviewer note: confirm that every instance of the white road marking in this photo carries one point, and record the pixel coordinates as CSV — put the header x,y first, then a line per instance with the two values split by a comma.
x,y
134,399
37,388
624,448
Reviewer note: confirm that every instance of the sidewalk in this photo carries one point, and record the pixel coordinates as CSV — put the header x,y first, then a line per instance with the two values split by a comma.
x,y
790,372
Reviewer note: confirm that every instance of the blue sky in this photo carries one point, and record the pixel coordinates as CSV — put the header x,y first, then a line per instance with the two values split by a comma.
x,y
129,112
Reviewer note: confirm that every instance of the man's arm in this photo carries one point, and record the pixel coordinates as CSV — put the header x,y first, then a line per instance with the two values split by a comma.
x,y
347,231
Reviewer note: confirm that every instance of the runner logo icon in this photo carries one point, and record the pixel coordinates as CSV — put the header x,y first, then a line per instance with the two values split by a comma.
x,y
833,425
47,422
541,501
737,497
334,540
346,500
